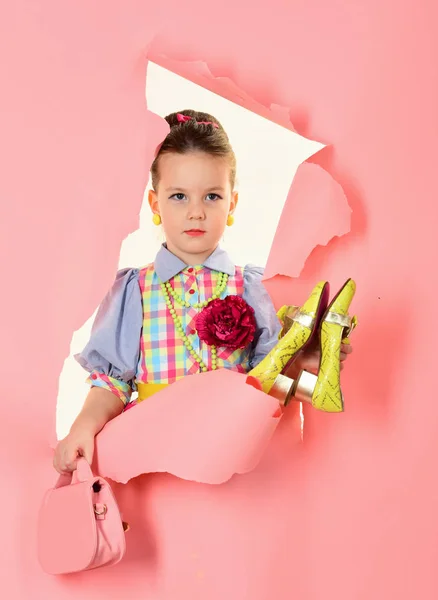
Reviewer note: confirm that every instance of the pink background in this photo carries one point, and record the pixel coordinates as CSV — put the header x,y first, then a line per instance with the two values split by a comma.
x,y
350,515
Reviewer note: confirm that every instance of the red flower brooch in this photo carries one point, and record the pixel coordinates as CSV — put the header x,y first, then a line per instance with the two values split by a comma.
x,y
227,323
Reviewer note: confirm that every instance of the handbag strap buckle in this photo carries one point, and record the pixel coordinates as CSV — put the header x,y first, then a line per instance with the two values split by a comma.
x,y
100,510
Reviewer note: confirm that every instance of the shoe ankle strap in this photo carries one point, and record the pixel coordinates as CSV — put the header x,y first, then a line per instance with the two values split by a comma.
x,y
345,321
294,314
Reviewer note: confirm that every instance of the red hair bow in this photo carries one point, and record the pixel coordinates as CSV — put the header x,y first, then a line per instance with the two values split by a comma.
x,y
184,118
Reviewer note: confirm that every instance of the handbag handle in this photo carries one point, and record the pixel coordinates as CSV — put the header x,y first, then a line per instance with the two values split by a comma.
x,y
82,473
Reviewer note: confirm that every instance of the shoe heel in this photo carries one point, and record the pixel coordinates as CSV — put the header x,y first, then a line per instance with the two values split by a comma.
x,y
302,326
283,389
300,389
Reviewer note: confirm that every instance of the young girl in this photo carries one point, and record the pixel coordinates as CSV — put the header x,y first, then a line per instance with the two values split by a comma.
x,y
144,335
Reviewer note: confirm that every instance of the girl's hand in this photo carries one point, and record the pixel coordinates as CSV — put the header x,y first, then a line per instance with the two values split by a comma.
x,y
308,360
77,443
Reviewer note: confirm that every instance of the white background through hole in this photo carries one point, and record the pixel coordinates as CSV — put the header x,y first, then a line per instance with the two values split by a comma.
x,y
268,156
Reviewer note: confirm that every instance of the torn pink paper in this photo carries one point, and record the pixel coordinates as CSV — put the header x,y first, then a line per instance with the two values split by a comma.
x,y
204,428
315,212
199,72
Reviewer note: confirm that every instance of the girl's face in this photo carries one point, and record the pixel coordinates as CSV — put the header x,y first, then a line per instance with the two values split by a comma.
x,y
194,198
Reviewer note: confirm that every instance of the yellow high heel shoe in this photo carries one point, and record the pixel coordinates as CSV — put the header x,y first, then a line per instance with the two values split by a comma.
x,y
323,391
301,324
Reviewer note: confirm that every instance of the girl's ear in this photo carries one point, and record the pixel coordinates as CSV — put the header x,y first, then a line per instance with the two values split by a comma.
x,y
153,201
234,201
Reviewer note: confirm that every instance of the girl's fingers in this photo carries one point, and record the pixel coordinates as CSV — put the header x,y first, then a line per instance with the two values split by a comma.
x,y
88,452
70,461
67,461
311,363
346,348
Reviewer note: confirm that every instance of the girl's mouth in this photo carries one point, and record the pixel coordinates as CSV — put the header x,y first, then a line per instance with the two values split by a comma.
x,y
194,232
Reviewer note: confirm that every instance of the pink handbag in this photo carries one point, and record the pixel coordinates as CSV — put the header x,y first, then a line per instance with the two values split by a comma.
x,y
79,525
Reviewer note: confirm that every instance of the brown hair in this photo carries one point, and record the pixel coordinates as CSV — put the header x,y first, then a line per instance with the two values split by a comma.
x,y
193,136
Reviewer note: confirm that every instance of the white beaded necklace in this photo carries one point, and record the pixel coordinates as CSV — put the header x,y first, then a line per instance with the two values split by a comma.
x,y
168,291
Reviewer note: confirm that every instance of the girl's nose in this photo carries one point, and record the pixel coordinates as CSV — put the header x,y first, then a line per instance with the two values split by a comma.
x,y
196,210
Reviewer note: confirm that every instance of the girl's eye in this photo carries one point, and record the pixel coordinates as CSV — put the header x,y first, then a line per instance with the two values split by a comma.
x,y
178,196
213,196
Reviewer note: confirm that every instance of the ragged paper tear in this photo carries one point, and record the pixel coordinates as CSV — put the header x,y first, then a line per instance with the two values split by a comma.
x,y
199,73
316,211
204,428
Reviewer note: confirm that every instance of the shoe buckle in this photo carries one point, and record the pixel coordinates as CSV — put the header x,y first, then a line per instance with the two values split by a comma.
x,y
345,321
352,326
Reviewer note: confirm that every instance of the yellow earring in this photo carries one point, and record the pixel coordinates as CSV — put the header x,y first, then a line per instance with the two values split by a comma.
x,y
230,220
156,219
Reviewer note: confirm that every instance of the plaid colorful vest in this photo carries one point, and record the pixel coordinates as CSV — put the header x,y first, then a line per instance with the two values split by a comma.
x,y
164,358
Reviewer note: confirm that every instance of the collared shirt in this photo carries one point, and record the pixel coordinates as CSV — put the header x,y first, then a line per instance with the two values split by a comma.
x,y
167,265
113,353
